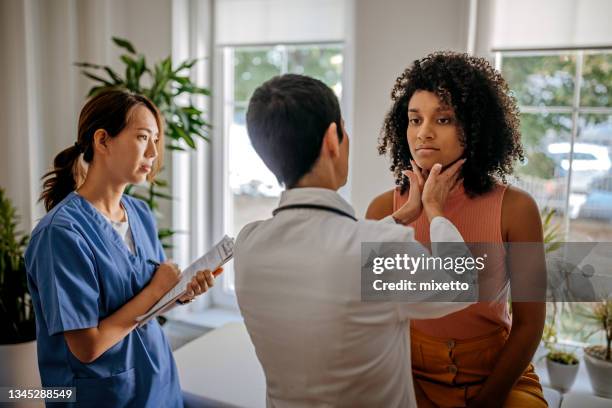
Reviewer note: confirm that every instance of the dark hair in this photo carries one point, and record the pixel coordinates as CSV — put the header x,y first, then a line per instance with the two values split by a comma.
x,y
287,119
109,110
487,114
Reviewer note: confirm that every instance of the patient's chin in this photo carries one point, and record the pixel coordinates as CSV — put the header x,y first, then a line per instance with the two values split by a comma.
x,y
425,164
428,163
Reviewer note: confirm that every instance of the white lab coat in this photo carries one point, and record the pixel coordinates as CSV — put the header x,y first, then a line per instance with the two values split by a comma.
x,y
298,287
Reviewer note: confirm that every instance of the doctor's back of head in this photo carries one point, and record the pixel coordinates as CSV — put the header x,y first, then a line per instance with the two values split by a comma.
x,y
104,118
295,125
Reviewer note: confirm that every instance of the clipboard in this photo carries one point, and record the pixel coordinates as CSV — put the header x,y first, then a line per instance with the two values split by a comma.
x,y
217,256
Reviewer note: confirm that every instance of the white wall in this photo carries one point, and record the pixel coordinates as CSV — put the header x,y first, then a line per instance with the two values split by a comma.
x,y
388,36
14,163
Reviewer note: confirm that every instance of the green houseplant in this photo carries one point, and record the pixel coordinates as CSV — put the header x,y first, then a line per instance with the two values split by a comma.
x,y
562,364
17,324
17,316
170,87
598,358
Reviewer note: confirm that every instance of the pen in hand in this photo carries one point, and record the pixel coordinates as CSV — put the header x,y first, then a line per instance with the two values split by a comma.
x,y
154,263
218,270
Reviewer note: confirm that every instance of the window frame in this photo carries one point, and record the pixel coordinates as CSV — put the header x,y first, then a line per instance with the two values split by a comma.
x,y
576,110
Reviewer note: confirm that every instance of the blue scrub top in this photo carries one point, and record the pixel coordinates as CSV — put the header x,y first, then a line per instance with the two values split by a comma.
x,y
79,272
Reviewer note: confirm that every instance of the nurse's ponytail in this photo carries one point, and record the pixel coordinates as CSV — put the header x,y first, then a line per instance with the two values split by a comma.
x,y
62,180
109,111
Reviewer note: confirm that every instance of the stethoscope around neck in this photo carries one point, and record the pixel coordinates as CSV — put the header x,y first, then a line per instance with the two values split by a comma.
x,y
313,207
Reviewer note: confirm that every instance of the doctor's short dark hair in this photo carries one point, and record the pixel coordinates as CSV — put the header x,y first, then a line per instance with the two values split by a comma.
x,y
487,114
287,119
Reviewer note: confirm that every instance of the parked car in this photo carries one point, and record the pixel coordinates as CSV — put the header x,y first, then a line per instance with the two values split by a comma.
x,y
598,203
589,162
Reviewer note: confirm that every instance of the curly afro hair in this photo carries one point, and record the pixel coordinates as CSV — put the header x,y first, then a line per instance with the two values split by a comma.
x,y
486,112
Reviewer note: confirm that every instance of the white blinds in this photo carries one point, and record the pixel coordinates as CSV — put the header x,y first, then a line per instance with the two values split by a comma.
x,y
242,22
552,23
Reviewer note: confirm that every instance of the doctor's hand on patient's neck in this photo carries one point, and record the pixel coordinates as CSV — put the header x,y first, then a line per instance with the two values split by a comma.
x,y
427,192
411,210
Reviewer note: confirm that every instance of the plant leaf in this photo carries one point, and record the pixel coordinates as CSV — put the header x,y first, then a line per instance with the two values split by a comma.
x,y
180,133
94,90
191,110
129,61
166,66
175,147
140,66
163,195
125,44
88,65
97,78
115,77
186,65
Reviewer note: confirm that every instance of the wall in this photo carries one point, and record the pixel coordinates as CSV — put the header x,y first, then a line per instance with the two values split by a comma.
x,y
14,129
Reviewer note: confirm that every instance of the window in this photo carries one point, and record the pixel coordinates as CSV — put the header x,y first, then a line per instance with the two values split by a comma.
x,y
251,190
565,100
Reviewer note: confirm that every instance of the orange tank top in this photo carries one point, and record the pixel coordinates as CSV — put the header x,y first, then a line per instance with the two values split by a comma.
x,y
478,220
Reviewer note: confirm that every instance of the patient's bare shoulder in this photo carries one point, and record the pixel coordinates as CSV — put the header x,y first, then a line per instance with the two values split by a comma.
x,y
519,205
381,206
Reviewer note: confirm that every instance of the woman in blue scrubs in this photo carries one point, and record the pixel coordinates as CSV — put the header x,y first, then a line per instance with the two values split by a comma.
x,y
89,263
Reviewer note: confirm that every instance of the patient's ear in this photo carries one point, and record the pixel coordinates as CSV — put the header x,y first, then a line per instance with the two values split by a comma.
x,y
331,144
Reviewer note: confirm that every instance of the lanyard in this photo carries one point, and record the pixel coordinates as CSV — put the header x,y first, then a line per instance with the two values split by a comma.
x,y
314,207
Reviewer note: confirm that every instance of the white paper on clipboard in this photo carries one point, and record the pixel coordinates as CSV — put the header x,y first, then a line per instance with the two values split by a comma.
x,y
222,252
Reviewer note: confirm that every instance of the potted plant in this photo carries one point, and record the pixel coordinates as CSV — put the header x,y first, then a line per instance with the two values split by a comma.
x,y
169,86
17,324
562,366
598,358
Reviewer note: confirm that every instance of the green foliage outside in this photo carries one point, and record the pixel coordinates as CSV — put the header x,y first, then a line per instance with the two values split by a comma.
x,y
597,80
548,82
541,80
255,65
252,67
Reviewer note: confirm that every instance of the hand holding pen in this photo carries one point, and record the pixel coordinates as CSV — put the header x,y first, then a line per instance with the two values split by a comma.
x,y
166,276
201,282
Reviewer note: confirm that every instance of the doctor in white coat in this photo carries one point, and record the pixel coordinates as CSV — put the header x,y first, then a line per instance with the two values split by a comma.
x,y
298,273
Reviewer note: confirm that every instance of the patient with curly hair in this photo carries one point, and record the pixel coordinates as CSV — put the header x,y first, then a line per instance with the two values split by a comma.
x,y
446,107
